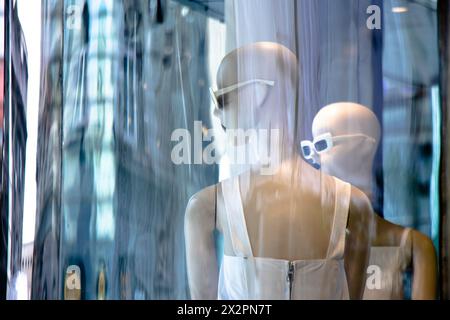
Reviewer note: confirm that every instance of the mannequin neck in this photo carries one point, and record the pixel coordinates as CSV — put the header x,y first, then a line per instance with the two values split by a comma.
x,y
258,148
357,173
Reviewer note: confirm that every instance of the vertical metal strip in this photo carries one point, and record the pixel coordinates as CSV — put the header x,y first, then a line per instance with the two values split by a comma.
x,y
377,105
8,100
444,40
4,209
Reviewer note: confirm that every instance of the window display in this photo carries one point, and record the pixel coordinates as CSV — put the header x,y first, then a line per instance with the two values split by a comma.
x,y
233,149
277,206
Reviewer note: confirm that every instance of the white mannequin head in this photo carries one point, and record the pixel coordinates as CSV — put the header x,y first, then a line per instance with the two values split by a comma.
x,y
266,73
356,133
257,94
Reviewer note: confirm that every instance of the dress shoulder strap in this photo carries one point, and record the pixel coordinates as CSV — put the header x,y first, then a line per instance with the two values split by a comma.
x,y
405,235
406,248
336,246
236,218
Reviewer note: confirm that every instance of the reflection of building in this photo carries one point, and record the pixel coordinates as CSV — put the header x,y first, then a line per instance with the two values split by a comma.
x,y
410,110
133,71
18,132
27,263
48,170
15,136
130,76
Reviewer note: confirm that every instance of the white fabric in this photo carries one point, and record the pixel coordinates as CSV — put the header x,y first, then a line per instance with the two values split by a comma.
x,y
245,277
390,264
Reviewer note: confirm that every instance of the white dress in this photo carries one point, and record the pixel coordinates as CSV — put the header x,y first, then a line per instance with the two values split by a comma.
x,y
245,277
389,265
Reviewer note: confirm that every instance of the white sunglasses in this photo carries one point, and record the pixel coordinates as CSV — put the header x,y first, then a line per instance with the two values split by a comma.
x,y
325,142
215,95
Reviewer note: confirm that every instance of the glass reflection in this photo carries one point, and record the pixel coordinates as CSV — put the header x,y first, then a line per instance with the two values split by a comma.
x,y
119,77
132,73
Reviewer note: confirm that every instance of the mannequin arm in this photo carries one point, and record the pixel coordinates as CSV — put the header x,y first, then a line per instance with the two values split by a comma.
x,y
200,246
424,268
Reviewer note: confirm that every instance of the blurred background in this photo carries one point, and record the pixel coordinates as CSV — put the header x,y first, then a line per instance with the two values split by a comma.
x,y
94,89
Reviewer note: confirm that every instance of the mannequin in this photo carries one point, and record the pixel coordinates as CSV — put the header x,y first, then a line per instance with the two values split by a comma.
x,y
351,159
288,215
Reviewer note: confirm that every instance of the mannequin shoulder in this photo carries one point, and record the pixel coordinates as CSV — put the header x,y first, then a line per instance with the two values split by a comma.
x,y
360,203
361,214
388,234
422,244
202,204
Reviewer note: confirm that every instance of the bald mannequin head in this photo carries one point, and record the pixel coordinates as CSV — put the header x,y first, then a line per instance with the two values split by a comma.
x,y
346,118
258,105
351,159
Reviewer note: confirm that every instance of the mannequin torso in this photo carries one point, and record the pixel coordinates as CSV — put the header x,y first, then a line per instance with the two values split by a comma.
x,y
293,225
279,207
419,255
288,215
351,161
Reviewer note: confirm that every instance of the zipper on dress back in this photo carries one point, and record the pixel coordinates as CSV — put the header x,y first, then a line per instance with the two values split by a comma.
x,y
290,278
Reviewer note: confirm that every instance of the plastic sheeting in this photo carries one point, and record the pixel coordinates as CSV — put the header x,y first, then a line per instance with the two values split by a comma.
x,y
125,85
